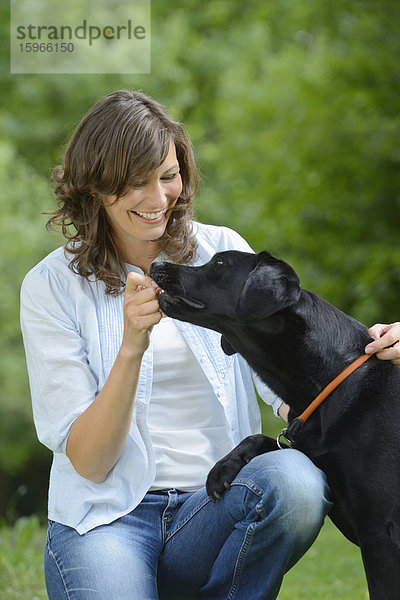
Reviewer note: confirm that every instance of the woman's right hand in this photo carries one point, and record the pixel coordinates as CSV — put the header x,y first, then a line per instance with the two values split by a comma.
x,y
141,313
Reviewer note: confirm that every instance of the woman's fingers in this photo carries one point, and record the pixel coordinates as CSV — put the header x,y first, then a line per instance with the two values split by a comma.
x,y
138,282
141,311
387,342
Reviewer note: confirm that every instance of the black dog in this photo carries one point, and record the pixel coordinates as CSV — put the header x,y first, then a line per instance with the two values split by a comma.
x,y
297,343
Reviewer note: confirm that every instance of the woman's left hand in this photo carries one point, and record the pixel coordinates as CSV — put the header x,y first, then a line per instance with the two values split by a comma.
x,y
387,342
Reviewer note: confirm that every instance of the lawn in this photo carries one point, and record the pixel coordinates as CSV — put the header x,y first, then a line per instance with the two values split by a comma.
x,y
21,561
331,570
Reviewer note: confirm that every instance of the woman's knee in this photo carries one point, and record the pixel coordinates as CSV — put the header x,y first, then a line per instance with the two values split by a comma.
x,y
293,487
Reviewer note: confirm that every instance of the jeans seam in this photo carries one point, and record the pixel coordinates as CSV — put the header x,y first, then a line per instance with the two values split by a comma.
x,y
183,523
240,560
167,517
53,557
250,485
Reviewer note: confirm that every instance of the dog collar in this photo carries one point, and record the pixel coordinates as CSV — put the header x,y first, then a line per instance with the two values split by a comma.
x,y
295,427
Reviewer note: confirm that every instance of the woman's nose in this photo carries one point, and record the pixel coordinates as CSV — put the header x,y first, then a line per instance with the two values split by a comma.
x,y
157,195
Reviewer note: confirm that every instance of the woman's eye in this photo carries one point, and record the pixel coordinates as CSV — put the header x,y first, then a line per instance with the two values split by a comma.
x,y
170,177
135,185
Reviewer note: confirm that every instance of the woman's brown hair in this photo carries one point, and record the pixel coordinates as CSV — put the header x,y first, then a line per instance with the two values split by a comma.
x,y
117,145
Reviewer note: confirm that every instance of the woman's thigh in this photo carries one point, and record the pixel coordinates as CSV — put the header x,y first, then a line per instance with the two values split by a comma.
x,y
111,562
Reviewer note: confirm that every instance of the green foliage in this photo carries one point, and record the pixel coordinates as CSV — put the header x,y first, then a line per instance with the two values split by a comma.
x,y
23,242
304,148
293,108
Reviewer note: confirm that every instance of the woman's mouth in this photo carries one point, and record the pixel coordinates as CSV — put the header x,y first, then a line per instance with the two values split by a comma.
x,y
150,217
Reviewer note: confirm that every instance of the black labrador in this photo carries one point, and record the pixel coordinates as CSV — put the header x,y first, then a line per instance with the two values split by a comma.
x,y
297,343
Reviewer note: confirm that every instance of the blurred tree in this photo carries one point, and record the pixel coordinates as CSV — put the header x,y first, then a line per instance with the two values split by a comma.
x,y
293,108
24,194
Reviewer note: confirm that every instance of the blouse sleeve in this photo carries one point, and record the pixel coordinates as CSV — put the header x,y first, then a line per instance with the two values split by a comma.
x,y
266,394
62,384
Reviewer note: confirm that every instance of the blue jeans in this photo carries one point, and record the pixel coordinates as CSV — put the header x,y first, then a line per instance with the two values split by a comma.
x,y
182,546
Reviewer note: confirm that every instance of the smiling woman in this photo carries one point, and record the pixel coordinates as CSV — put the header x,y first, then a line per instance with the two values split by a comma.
x,y
137,408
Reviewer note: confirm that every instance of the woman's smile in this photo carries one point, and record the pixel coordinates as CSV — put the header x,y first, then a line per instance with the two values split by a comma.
x,y
150,217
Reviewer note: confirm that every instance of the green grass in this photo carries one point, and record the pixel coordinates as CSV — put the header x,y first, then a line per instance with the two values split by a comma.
x,y
21,561
331,570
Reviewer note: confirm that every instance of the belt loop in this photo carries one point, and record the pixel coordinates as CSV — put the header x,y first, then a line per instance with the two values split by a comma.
x,y
173,498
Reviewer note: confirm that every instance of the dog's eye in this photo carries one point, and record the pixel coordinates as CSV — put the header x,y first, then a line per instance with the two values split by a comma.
x,y
220,262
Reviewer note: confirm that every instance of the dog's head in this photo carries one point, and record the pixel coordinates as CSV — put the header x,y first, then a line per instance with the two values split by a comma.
x,y
232,286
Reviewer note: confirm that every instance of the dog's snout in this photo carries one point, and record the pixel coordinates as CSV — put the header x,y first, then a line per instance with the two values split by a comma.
x,y
159,275
163,277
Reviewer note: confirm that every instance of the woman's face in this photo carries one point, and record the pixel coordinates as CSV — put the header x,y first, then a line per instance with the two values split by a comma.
x,y
141,215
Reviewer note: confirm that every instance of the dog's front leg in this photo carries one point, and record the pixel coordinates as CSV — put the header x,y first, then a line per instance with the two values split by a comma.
x,y
225,470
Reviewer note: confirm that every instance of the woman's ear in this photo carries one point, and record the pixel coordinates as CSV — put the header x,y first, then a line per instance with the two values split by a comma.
x,y
271,286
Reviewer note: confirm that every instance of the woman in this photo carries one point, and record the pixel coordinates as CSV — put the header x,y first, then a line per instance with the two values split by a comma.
x,y
137,408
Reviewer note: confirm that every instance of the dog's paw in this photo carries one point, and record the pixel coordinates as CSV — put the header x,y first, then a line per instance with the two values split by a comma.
x,y
222,474
225,470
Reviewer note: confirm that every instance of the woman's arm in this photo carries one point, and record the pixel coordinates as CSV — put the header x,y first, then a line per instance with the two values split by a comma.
x,y
97,437
387,342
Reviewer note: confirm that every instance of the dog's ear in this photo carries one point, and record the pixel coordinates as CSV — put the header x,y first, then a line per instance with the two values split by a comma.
x,y
271,286
227,346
